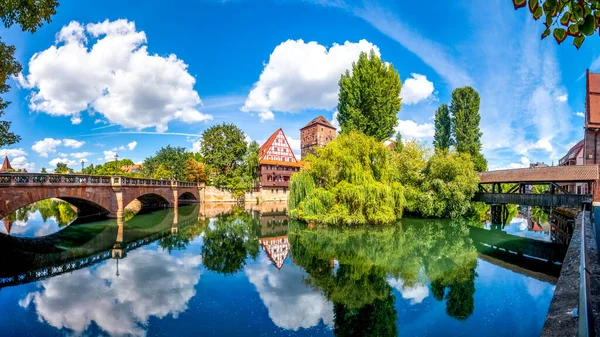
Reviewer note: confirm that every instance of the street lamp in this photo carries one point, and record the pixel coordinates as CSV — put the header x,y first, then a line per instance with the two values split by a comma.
x,y
116,163
172,173
82,165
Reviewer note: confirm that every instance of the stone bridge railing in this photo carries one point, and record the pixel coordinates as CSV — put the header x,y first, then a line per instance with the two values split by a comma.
x,y
37,179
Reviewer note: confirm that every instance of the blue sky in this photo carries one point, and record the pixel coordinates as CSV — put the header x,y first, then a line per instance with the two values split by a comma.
x,y
132,76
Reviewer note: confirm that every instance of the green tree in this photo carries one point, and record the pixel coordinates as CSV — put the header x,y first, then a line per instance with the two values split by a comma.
x,y
223,147
252,160
226,156
62,168
162,172
43,170
369,97
173,159
30,15
349,182
465,125
398,143
577,18
443,128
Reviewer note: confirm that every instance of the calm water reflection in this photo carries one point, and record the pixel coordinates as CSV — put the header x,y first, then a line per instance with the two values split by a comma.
x,y
257,274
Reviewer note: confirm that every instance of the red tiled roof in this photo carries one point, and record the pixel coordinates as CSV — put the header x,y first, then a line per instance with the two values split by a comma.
x,y
573,173
319,120
265,147
280,163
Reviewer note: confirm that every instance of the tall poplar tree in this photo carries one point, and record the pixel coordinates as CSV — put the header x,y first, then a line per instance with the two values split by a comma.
x,y
465,125
443,128
369,98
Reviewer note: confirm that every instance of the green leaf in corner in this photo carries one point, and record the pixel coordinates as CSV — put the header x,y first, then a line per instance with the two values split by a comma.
x,y
519,3
573,30
576,12
565,19
538,13
560,34
533,5
548,22
546,33
588,26
578,41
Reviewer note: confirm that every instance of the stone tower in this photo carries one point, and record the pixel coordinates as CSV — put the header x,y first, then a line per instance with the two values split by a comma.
x,y
316,133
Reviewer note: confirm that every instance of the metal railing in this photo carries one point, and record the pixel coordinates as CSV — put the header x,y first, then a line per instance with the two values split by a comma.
x,y
79,179
586,327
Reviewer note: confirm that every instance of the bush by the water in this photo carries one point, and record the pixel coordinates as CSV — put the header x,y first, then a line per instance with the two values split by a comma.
x,y
356,180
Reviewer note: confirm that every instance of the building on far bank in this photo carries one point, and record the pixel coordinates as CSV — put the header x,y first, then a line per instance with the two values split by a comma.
x,y
538,164
317,133
277,163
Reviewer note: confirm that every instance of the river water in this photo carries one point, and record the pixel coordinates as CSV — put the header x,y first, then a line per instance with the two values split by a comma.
x,y
230,272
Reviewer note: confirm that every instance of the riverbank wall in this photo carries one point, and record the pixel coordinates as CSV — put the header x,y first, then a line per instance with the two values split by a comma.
x,y
211,194
562,317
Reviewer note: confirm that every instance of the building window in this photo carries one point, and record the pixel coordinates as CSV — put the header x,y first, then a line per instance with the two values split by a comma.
x,y
269,178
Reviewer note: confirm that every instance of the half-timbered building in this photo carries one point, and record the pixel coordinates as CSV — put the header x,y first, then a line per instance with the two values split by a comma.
x,y
277,163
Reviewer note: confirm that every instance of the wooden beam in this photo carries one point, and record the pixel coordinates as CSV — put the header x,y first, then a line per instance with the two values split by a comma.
x,y
560,188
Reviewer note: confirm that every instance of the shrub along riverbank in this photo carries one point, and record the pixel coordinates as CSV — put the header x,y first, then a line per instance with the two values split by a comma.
x,y
356,180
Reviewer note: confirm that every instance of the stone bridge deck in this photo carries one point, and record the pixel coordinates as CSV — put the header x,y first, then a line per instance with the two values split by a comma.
x,y
92,195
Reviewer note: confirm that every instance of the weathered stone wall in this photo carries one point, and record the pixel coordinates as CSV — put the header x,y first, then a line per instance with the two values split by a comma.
x,y
213,195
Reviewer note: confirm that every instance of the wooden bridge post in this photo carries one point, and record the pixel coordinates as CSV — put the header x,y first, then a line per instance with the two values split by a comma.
x,y
117,184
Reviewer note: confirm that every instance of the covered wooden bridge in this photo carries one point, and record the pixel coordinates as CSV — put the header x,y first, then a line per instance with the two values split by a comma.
x,y
515,186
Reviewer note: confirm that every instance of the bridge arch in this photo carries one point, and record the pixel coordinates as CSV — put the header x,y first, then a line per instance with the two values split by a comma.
x,y
88,200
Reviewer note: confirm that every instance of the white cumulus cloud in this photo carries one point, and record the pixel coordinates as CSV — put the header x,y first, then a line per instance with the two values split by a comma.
x,y
416,89
12,153
22,163
106,67
46,146
109,155
302,75
580,114
72,143
562,98
409,129
80,155
69,162
132,145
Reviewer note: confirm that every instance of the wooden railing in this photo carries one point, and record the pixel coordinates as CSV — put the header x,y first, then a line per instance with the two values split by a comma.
x,y
37,179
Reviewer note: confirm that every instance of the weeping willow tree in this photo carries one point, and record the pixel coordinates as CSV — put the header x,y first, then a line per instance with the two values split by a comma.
x,y
349,182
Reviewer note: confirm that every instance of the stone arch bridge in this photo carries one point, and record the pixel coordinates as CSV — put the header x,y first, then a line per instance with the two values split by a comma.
x,y
92,195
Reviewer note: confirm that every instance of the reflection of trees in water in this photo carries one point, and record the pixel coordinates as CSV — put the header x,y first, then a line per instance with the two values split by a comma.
x,y
61,211
180,239
358,287
229,240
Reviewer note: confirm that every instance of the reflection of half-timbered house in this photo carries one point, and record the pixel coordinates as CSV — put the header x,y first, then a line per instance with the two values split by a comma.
x,y
277,249
277,163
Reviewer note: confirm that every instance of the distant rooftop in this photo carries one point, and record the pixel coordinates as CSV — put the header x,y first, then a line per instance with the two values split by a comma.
x,y
319,120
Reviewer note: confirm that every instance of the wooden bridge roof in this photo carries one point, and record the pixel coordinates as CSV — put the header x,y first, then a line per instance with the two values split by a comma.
x,y
555,174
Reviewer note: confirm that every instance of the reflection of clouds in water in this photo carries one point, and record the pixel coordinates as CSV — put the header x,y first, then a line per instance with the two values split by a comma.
x,y
537,288
151,283
416,294
291,303
519,227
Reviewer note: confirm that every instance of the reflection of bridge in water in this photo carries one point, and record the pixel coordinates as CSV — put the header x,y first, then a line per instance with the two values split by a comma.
x,y
525,256
81,246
